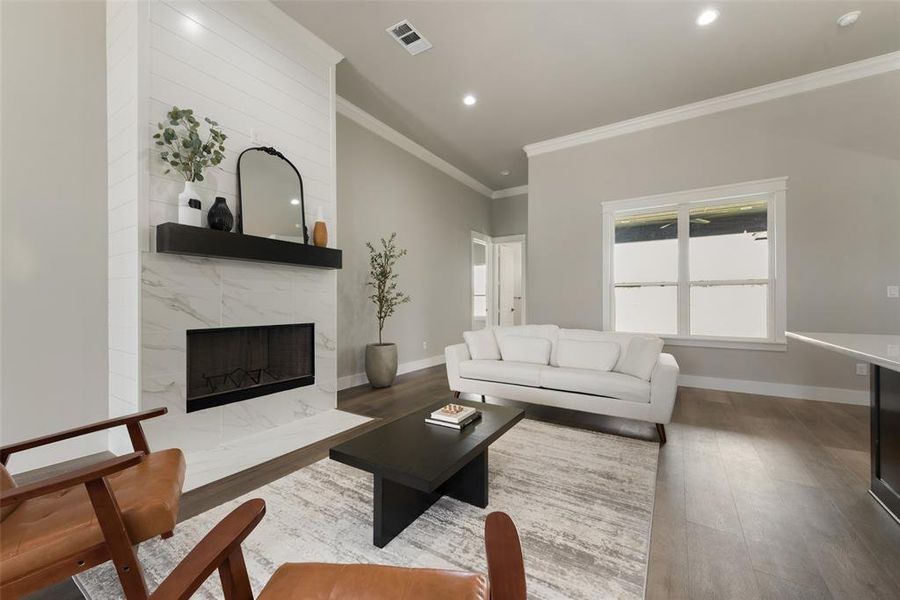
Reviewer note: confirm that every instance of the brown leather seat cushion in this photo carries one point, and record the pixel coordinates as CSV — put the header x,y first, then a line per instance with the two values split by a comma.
x,y
6,483
314,581
46,529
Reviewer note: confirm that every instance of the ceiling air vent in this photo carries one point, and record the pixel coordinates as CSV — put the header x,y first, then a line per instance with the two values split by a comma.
x,y
407,36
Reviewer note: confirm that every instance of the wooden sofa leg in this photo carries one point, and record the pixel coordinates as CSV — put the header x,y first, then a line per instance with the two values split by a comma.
x,y
456,395
482,398
661,432
166,534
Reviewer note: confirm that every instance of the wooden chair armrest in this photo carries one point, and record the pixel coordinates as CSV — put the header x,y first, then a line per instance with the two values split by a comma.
x,y
70,479
221,546
130,421
504,557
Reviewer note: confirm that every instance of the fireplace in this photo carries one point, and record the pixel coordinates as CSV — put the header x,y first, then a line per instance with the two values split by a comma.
x,y
230,364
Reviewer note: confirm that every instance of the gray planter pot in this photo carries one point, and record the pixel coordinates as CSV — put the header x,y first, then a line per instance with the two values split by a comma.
x,y
381,364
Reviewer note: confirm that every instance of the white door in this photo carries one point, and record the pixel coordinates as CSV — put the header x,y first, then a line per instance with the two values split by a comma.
x,y
510,280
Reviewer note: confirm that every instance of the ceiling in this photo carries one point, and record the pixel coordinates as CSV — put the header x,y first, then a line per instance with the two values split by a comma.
x,y
545,69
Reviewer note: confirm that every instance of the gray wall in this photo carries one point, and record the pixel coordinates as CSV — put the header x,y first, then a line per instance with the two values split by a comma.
x,y
54,332
840,148
509,216
382,189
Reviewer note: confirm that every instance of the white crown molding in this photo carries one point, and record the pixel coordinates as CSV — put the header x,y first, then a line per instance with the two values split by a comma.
x,y
510,192
361,117
771,91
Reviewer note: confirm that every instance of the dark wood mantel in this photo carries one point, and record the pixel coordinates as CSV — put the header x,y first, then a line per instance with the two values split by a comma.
x,y
172,238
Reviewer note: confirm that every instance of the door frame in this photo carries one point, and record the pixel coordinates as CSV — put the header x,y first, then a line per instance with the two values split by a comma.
x,y
495,281
478,237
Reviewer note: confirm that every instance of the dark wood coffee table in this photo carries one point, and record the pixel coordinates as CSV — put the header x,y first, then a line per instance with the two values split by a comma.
x,y
415,463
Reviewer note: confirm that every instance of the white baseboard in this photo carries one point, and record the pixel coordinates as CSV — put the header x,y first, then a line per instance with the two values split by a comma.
x,y
763,388
349,381
784,390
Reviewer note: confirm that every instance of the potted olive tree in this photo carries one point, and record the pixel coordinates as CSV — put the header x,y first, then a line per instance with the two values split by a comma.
x,y
381,358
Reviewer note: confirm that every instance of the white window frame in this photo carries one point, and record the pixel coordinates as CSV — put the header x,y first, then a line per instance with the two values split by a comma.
x,y
774,191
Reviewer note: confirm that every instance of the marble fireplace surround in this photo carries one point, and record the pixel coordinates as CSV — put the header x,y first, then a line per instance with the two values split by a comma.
x,y
182,293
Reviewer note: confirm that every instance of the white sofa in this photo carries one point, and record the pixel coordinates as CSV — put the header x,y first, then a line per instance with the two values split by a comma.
x,y
608,373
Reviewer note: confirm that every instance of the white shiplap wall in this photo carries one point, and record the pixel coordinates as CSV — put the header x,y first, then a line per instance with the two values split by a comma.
x,y
268,82
123,20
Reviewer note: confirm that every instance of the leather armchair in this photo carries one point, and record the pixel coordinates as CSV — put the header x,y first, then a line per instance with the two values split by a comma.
x,y
58,527
221,550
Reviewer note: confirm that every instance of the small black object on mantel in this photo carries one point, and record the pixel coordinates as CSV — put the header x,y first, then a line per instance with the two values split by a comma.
x,y
220,216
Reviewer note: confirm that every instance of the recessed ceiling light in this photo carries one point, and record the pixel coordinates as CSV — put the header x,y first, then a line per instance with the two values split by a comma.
x,y
504,172
469,99
295,202
849,19
707,16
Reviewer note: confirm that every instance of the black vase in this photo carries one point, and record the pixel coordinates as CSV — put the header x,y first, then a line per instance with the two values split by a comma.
x,y
219,216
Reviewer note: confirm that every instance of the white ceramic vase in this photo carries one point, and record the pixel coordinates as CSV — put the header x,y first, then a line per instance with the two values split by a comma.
x,y
189,191
186,214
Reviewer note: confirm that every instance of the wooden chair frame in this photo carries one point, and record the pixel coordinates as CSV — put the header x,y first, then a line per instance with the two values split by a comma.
x,y
116,545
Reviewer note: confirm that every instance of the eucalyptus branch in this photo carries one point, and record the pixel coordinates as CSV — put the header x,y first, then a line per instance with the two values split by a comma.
x,y
184,151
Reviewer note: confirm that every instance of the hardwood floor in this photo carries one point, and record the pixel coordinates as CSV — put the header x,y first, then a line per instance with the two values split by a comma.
x,y
757,497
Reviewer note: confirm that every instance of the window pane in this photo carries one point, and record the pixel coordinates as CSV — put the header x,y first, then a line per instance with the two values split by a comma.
x,y
480,306
729,242
650,309
729,310
646,248
479,280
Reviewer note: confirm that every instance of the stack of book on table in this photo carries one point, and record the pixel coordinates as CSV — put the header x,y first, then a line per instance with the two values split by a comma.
x,y
455,416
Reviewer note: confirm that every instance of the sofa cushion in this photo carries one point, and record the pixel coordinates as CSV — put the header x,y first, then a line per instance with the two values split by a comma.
x,y
640,357
579,354
482,344
502,371
547,332
597,383
519,348
592,335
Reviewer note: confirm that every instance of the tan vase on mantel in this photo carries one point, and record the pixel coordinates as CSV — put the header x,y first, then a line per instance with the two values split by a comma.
x,y
320,232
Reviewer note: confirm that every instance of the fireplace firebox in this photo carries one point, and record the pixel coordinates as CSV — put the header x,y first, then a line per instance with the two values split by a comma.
x,y
231,364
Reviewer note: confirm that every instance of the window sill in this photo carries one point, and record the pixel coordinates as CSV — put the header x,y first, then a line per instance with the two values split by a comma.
x,y
727,343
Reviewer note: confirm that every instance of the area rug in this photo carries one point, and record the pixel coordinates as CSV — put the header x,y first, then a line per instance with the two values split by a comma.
x,y
582,502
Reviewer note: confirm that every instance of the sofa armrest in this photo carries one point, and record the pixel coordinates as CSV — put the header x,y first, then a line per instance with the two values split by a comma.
x,y
664,387
454,355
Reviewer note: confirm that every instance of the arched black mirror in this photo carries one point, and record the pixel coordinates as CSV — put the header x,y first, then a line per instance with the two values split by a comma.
x,y
270,196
